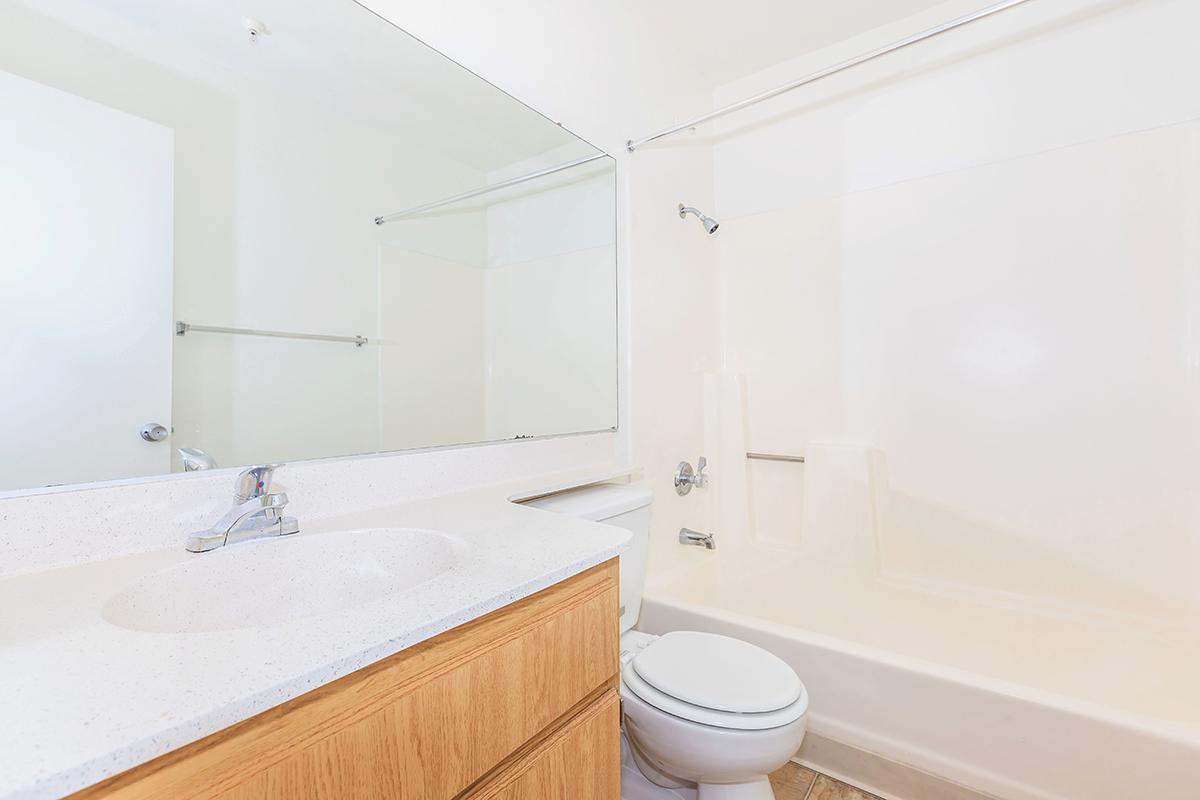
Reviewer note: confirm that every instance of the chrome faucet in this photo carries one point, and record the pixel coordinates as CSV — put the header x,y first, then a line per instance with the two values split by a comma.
x,y
194,459
256,514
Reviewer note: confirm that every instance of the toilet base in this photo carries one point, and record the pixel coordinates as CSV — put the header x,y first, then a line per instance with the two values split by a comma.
x,y
754,790
636,786
660,786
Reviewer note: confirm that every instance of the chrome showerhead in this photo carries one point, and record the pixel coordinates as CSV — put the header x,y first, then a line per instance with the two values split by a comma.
x,y
710,224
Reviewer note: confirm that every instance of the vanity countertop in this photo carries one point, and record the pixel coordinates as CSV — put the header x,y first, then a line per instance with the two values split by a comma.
x,y
85,699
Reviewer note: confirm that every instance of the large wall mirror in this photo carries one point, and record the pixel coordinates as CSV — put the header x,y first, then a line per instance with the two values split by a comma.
x,y
227,241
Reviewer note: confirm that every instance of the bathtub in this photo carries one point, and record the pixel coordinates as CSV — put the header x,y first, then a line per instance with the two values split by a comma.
x,y
940,695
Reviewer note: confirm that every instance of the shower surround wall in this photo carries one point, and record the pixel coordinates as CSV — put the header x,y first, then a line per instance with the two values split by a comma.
x,y
962,281
978,260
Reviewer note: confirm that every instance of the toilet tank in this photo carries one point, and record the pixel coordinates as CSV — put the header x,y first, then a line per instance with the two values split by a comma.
x,y
626,507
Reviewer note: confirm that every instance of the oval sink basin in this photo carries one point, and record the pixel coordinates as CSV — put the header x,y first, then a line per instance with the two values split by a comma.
x,y
269,581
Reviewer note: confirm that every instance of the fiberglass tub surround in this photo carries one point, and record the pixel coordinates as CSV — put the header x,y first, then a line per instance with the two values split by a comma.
x,y
970,307
1009,694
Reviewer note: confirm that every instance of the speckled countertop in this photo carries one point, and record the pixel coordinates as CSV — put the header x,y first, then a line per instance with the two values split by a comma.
x,y
82,699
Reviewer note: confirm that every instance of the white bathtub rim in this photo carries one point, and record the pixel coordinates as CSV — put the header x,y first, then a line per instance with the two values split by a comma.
x,y
1178,733
1140,624
937,767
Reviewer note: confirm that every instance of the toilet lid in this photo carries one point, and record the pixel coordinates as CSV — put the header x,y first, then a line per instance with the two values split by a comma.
x,y
718,673
633,686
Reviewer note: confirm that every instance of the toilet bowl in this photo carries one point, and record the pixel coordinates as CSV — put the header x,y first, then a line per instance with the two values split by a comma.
x,y
708,715
709,711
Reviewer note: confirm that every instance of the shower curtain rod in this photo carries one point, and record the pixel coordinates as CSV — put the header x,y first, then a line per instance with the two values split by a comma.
x,y
634,144
408,212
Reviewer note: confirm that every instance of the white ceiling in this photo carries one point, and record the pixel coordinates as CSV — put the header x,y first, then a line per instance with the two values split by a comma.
x,y
722,41
341,55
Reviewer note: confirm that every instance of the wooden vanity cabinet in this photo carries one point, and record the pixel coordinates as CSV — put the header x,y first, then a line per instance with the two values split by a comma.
x,y
520,704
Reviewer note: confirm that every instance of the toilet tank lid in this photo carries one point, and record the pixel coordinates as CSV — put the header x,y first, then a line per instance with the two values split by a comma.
x,y
596,502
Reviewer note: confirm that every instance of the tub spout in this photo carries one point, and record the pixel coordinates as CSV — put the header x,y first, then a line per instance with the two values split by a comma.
x,y
689,536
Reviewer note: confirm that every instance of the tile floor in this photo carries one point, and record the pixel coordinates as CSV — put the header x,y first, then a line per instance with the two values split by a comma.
x,y
794,782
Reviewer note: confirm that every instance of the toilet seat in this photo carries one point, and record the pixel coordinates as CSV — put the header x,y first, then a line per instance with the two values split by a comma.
x,y
717,681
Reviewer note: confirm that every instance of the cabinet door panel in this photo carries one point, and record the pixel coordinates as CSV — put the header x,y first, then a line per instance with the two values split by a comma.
x,y
581,762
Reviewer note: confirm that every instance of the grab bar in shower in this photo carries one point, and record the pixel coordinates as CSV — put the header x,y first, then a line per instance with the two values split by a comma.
x,y
775,457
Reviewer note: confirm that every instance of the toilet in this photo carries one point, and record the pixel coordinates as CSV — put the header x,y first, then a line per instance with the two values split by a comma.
x,y
703,715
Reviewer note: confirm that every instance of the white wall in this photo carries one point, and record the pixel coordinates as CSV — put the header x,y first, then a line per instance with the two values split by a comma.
x,y
307,185
275,197
979,256
87,310
550,289
542,318
309,181
431,355
201,119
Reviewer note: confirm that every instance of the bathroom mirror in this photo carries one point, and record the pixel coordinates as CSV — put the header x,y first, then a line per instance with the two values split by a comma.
x,y
231,241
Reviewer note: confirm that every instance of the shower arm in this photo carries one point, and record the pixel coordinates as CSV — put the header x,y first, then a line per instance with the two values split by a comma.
x,y
709,224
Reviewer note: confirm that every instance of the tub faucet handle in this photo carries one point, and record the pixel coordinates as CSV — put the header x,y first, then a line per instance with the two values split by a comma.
x,y
686,477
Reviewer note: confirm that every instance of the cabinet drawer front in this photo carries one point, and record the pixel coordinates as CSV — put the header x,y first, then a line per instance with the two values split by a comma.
x,y
582,761
425,723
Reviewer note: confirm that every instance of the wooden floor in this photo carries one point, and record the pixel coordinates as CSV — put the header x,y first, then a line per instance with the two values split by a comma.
x,y
794,782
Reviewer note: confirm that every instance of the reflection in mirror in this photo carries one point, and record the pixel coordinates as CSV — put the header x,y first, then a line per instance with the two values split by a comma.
x,y
193,274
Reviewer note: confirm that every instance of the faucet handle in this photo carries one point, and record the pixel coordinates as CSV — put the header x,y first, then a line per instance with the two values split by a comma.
x,y
686,477
254,482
